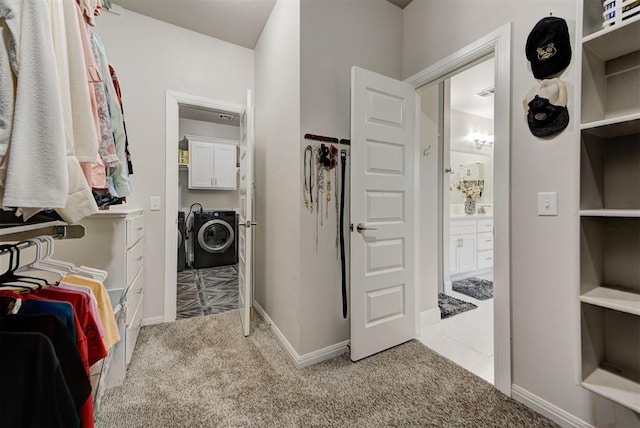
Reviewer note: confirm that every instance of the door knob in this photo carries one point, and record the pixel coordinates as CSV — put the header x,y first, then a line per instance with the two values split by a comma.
x,y
361,228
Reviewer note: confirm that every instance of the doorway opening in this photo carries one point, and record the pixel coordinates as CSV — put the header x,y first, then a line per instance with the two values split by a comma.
x,y
458,113
207,256
184,115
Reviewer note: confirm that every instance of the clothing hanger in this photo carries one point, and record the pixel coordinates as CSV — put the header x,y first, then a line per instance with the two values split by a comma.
x,y
9,277
69,267
38,257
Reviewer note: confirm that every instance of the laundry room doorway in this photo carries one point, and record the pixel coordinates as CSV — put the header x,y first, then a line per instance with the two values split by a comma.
x,y
207,153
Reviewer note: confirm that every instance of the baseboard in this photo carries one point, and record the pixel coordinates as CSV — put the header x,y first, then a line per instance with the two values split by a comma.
x,y
153,320
309,358
430,317
553,412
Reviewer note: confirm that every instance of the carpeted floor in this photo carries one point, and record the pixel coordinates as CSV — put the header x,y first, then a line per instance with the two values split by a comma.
x,y
201,372
450,306
477,288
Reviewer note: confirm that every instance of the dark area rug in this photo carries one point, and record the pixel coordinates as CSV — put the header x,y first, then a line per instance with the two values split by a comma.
x,y
477,288
450,306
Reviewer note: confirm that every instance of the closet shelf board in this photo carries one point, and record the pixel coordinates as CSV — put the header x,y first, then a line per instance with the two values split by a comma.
x,y
615,388
616,40
610,298
610,213
614,127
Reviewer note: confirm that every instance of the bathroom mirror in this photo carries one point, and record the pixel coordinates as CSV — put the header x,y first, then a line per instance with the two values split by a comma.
x,y
473,168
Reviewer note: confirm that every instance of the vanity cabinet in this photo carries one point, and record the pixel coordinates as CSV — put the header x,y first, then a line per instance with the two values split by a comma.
x,y
470,246
610,204
212,163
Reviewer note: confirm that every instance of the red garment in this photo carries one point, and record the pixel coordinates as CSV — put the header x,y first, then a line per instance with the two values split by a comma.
x,y
86,411
80,302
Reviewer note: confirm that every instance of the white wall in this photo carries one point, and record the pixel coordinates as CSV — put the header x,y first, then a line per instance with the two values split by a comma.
x,y
545,250
277,169
210,199
428,208
150,57
335,35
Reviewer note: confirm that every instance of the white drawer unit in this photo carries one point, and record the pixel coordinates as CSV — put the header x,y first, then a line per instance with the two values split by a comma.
x,y
114,241
485,259
485,241
485,225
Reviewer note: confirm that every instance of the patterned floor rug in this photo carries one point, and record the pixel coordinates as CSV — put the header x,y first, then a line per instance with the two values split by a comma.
x,y
450,306
477,288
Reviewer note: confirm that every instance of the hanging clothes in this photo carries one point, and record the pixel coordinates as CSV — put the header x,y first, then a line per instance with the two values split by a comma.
x,y
118,182
30,368
32,169
116,85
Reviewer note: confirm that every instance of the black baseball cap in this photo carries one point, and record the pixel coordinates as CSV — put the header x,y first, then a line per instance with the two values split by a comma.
x,y
546,108
548,47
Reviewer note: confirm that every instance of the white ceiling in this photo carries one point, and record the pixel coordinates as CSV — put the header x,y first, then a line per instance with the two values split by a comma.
x,y
236,21
207,115
466,84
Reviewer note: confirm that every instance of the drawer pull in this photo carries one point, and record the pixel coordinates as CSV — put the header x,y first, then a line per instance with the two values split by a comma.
x,y
489,258
139,291
140,228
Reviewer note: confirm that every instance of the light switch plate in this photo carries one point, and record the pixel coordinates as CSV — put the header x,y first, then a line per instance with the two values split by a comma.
x,y
154,203
548,203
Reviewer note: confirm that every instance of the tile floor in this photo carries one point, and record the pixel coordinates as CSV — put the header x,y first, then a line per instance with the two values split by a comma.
x,y
207,291
466,338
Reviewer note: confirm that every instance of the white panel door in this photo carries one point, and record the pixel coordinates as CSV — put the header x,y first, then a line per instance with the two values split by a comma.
x,y
246,218
200,165
224,166
382,205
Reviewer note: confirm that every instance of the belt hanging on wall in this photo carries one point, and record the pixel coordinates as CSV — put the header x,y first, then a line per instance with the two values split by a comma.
x,y
343,164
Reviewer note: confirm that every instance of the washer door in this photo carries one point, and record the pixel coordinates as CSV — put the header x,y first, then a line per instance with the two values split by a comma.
x,y
215,236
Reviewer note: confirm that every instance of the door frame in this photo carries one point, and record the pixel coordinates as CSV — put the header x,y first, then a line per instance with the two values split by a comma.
x,y
498,44
173,101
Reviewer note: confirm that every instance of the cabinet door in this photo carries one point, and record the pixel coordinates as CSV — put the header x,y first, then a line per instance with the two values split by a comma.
x,y
454,243
224,166
467,253
200,165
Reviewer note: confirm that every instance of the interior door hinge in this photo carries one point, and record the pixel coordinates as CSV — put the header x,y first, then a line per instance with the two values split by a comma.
x,y
351,227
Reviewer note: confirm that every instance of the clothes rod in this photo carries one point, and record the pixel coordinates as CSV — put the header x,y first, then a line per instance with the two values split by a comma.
x,y
56,229
321,138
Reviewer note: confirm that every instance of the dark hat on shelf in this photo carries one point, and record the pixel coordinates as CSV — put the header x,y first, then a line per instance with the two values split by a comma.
x,y
548,47
546,108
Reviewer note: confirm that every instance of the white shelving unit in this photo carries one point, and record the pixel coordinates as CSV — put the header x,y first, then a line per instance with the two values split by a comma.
x,y
610,207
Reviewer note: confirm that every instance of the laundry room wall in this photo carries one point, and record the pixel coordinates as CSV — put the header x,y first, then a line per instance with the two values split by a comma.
x,y
167,57
277,169
335,35
210,199
544,250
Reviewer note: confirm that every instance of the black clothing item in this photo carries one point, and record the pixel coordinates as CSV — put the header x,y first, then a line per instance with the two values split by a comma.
x,y
546,119
65,349
33,392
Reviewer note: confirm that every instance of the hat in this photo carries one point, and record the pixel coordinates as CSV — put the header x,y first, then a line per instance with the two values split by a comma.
x,y
548,47
546,108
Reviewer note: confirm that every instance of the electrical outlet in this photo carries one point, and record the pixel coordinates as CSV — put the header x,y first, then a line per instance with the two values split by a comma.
x,y
548,203
154,203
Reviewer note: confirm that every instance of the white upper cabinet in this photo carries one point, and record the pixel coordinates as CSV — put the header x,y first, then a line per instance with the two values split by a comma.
x,y
212,163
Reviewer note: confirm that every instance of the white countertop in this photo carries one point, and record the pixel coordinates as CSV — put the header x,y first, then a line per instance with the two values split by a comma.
x,y
469,217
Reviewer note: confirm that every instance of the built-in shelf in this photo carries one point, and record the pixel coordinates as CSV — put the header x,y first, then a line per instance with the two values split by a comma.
x,y
610,213
616,40
613,299
614,127
614,387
